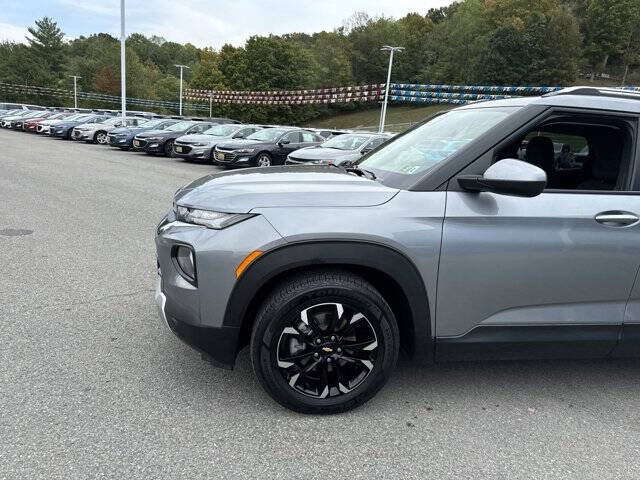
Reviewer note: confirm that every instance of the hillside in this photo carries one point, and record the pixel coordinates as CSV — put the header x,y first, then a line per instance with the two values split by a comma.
x,y
398,118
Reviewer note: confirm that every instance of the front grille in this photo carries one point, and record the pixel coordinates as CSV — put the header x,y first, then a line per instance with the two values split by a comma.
x,y
225,156
181,148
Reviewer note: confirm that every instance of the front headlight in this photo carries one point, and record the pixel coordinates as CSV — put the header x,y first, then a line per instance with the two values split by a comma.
x,y
245,150
209,219
152,139
200,144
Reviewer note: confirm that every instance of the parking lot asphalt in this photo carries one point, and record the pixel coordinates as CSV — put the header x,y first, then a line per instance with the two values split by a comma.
x,y
93,386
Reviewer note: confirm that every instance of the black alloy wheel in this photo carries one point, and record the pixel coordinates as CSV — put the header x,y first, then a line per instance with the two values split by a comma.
x,y
324,342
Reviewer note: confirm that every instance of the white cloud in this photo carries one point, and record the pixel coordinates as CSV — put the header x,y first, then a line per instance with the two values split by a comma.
x,y
213,22
12,33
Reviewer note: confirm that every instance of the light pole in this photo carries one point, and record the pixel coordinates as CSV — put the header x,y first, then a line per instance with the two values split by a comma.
x,y
181,67
123,73
387,48
75,94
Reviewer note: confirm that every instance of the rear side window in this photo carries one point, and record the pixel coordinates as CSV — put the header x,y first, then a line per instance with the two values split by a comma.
x,y
293,137
308,137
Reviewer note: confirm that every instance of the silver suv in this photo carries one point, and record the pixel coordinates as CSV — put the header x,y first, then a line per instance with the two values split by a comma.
x,y
441,243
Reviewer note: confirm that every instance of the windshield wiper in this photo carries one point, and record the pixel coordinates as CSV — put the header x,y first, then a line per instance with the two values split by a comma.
x,y
361,172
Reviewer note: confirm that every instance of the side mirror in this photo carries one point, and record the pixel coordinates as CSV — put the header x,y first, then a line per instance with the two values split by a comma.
x,y
507,177
284,141
238,135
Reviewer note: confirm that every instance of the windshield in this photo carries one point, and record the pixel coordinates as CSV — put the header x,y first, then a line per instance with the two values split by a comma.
x,y
346,142
222,130
112,121
432,142
154,122
266,135
180,126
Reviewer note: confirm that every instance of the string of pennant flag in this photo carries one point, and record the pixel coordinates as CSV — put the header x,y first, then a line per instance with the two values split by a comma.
x,y
398,92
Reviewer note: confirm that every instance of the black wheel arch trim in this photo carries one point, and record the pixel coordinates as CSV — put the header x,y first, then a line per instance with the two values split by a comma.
x,y
382,258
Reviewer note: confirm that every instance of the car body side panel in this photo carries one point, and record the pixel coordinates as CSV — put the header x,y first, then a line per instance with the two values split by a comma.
x,y
410,223
509,261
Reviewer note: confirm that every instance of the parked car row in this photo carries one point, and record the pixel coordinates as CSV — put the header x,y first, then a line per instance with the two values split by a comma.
x,y
219,141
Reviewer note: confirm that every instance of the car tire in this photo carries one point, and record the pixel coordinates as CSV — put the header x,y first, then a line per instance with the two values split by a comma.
x,y
324,342
264,160
100,137
168,148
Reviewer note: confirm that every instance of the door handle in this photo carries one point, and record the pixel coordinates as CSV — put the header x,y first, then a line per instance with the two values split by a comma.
x,y
617,218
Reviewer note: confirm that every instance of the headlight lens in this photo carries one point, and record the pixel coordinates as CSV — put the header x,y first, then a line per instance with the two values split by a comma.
x,y
245,150
209,219
153,139
201,144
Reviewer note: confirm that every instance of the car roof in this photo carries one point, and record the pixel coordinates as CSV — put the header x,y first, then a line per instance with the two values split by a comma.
x,y
621,100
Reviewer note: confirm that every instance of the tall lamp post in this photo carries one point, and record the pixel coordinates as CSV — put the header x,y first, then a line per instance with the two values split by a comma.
x,y
181,67
387,48
75,91
123,73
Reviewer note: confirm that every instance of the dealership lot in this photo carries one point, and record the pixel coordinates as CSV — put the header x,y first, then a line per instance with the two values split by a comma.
x,y
93,386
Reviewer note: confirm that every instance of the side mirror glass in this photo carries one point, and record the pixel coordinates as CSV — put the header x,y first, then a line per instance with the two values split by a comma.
x,y
507,177
284,141
238,135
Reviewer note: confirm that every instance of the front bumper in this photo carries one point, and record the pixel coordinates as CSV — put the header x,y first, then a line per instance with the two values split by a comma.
x,y
196,313
189,151
223,158
217,345
59,132
144,145
120,142
82,135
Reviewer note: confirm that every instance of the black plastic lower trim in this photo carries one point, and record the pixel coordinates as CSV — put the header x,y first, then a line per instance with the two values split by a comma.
x,y
217,345
520,342
629,345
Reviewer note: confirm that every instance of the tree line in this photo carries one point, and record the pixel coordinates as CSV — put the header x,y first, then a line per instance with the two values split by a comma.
x,y
495,42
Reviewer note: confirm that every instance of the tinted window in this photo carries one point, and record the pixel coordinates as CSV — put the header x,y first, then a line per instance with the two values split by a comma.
x,y
293,137
309,137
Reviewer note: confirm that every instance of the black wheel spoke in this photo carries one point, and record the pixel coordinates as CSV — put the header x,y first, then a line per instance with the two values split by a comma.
x,y
296,358
328,350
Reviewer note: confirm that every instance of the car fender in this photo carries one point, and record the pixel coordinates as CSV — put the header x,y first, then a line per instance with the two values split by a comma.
x,y
295,257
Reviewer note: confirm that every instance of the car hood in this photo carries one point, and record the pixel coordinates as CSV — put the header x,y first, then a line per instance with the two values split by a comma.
x,y
320,153
200,138
51,122
240,191
243,143
89,126
157,133
66,124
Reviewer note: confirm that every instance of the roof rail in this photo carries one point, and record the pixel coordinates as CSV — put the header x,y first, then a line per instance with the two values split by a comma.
x,y
597,92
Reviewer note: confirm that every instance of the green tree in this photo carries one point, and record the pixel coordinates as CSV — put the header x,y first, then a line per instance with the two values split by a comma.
x,y
606,28
47,47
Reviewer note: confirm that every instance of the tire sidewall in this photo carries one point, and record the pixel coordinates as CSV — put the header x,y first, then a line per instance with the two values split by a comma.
x,y
168,148
268,334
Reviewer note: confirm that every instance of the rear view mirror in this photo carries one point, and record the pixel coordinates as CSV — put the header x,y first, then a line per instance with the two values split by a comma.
x,y
507,177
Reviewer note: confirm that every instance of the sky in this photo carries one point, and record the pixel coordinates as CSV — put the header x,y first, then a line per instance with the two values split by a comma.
x,y
204,23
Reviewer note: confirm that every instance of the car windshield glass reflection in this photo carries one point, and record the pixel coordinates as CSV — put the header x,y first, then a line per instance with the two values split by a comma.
x,y
432,142
180,126
346,142
221,130
267,135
